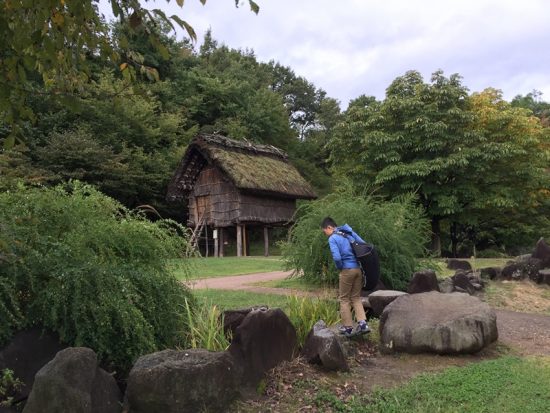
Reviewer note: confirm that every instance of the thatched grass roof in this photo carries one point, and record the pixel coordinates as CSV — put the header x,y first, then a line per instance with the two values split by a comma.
x,y
250,167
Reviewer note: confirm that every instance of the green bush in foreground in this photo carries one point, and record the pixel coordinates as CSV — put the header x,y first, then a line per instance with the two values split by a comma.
x,y
397,228
79,263
507,384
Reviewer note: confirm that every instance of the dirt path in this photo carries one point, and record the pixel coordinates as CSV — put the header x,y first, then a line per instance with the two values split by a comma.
x,y
246,283
527,334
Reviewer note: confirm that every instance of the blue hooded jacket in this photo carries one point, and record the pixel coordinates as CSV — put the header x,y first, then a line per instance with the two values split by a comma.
x,y
340,247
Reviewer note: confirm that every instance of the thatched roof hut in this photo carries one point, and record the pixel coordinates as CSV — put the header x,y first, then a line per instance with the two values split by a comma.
x,y
229,183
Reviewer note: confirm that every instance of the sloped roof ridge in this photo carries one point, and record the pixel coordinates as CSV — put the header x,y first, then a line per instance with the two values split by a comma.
x,y
244,145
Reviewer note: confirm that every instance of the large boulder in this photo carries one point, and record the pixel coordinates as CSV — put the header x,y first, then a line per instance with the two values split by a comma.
x,y
456,264
462,281
233,318
323,346
380,299
26,353
264,339
173,381
524,269
433,322
544,276
542,252
73,382
490,273
423,282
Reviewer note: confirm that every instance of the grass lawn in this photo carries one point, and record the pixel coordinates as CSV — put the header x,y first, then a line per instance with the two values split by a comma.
x,y
223,267
294,284
507,384
231,300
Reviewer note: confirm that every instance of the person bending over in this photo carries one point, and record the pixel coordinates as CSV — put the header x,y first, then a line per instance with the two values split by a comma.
x,y
350,279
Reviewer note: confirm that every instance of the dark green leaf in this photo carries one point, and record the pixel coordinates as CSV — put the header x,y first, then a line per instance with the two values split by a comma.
x,y
157,44
162,15
9,142
186,26
117,11
253,6
135,20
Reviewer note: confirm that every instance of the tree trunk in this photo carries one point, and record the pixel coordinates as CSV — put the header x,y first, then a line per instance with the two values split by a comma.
x,y
454,239
436,237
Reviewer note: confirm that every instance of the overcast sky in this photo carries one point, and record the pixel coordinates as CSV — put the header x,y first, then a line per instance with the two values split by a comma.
x,y
354,47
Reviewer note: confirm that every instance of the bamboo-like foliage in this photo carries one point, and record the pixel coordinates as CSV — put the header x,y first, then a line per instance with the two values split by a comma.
x,y
205,327
397,228
304,312
79,263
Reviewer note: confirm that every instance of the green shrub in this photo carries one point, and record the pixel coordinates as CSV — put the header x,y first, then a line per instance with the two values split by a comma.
x,y
79,263
397,228
304,312
9,385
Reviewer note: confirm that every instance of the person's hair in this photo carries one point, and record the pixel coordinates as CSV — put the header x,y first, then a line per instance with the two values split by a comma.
x,y
328,222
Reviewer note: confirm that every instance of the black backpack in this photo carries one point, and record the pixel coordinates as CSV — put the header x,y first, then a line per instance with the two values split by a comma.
x,y
367,257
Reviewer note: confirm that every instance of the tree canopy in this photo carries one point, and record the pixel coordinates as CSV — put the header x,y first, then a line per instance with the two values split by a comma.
x,y
115,103
56,42
464,156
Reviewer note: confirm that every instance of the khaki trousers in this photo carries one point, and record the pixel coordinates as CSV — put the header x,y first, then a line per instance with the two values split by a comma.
x,y
349,294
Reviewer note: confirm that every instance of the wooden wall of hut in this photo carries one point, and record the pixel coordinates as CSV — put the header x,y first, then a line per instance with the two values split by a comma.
x,y
215,196
265,210
225,206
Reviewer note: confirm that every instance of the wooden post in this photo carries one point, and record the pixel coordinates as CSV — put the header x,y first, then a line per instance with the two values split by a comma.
x,y
266,241
239,241
221,242
216,243
206,238
245,246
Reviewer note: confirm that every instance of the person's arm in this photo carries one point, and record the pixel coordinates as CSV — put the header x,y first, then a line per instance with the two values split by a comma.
x,y
335,251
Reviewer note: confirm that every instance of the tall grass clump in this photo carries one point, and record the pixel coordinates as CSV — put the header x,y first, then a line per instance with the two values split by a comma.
x,y
78,262
304,312
205,322
397,228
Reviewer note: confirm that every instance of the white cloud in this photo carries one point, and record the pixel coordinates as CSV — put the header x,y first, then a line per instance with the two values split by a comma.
x,y
353,47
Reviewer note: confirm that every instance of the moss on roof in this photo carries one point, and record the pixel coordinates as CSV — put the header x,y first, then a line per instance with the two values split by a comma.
x,y
251,167
261,173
